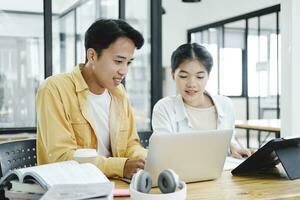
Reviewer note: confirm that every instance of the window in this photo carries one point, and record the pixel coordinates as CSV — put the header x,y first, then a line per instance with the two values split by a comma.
x,y
246,57
21,61
233,61
23,65
138,79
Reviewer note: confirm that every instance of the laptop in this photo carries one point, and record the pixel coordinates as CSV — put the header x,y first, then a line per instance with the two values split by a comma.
x,y
194,156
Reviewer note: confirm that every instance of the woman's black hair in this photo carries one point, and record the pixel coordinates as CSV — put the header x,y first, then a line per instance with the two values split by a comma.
x,y
191,51
104,32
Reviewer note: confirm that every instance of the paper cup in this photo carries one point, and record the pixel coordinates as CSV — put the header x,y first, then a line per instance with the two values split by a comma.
x,y
86,156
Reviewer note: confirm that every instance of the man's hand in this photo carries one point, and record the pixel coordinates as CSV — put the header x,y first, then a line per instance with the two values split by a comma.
x,y
132,166
240,153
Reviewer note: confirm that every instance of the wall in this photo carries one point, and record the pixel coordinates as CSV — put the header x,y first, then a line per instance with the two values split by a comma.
x,y
290,67
182,16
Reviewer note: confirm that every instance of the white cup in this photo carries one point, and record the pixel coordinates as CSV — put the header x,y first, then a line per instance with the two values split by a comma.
x,y
86,156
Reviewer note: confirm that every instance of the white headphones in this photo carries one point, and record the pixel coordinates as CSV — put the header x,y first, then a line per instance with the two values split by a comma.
x,y
168,182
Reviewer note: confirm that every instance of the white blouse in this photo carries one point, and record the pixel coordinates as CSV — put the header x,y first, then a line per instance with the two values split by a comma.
x,y
170,115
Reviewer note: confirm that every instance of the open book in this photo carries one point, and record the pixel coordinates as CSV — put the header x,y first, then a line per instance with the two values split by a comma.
x,y
103,191
68,172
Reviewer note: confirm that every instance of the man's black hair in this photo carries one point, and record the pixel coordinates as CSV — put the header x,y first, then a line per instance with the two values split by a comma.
x,y
104,32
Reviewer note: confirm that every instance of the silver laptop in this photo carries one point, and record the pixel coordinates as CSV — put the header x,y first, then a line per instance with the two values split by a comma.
x,y
194,156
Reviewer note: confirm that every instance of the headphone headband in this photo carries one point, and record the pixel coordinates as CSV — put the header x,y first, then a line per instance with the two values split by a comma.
x,y
180,194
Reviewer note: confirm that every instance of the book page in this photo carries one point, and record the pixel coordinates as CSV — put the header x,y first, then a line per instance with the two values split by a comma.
x,y
68,172
79,191
10,194
11,175
26,187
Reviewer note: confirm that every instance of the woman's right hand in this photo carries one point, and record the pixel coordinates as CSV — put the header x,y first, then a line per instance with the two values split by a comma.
x,y
240,153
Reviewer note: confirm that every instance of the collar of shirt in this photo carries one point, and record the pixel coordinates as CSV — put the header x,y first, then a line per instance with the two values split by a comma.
x,y
181,114
81,85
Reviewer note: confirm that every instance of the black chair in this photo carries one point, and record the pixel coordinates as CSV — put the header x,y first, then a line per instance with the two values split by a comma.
x,y
15,155
144,138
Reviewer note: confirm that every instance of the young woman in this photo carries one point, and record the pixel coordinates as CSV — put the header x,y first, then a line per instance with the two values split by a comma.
x,y
194,108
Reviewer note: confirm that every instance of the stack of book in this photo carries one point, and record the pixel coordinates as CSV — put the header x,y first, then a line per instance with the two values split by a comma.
x,y
62,180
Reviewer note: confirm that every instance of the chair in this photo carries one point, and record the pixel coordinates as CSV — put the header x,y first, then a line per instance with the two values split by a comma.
x,y
144,138
16,154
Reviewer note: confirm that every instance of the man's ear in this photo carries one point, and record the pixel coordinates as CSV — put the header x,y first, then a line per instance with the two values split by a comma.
x,y
91,55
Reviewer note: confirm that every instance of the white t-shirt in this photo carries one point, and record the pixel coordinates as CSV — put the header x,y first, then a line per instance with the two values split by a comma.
x,y
100,105
202,118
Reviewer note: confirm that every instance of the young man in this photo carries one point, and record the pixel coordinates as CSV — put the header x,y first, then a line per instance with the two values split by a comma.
x,y
88,107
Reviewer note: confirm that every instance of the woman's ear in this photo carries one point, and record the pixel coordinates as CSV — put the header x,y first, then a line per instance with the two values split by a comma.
x,y
173,75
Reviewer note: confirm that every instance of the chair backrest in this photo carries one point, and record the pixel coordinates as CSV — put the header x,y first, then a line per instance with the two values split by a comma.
x,y
144,138
17,154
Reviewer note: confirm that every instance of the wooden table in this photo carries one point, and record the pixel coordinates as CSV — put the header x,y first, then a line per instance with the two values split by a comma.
x,y
268,125
234,187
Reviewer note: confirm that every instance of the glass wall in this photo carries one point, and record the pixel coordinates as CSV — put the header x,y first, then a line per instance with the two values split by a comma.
x,y
231,61
263,73
253,55
138,79
85,16
246,57
23,65
226,42
213,42
262,51
21,61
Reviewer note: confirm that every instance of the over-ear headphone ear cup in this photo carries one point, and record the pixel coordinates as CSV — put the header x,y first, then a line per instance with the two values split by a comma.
x,y
144,182
166,182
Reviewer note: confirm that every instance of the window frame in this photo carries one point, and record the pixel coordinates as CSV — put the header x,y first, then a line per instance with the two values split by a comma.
x,y
221,24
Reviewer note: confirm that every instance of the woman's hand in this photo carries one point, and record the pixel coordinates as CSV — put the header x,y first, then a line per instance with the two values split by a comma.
x,y
240,153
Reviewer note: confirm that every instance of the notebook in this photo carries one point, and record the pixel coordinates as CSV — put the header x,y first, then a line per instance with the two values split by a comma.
x,y
194,156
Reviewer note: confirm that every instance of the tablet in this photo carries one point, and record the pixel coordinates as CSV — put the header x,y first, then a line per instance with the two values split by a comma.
x,y
279,150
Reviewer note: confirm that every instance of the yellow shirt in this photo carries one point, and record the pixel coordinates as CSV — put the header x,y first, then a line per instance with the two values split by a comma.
x,y
65,123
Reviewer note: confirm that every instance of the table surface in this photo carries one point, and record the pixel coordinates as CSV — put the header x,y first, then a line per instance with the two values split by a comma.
x,y
273,125
272,186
